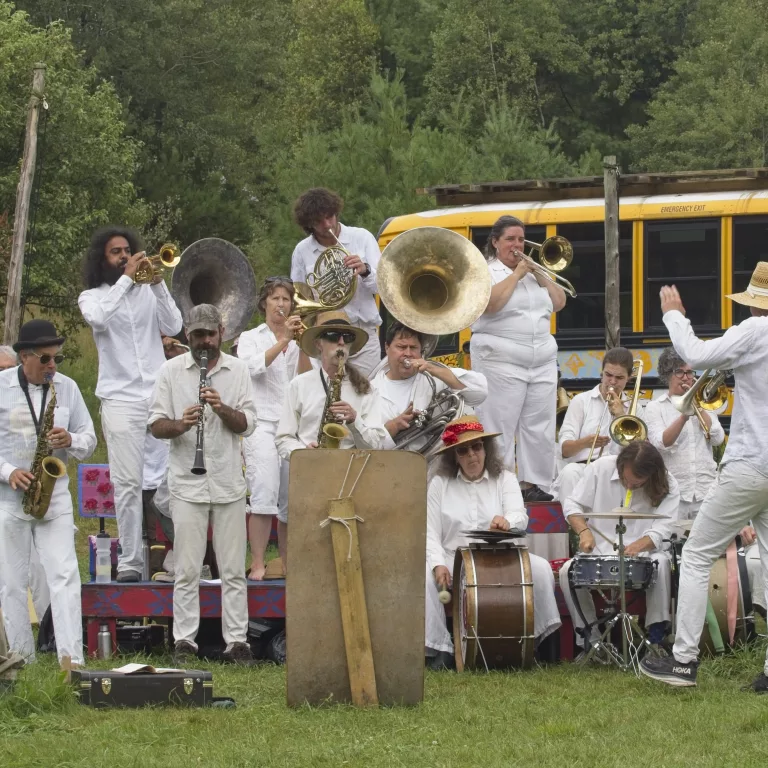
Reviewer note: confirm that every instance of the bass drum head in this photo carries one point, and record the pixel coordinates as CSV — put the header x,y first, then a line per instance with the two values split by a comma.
x,y
718,596
464,610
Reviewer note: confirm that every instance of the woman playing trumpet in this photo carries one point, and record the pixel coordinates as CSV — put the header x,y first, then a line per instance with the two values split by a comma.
x,y
513,348
685,442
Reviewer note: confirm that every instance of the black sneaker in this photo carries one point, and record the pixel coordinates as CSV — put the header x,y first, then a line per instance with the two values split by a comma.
x,y
670,671
238,653
535,494
128,576
184,654
441,661
758,685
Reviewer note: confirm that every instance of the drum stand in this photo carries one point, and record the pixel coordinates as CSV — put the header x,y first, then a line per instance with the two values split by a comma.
x,y
630,629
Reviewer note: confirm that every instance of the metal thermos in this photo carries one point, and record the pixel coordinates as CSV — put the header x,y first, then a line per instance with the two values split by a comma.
x,y
104,642
145,574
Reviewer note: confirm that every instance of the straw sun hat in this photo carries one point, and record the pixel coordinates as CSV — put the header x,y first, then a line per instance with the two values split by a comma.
x,y
756,294
332,321
463,430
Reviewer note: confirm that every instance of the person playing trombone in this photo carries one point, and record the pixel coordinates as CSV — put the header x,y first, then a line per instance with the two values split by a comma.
x,y
584,432
686,443
512,346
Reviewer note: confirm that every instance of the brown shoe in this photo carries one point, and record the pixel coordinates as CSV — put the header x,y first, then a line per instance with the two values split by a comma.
x,y
238,653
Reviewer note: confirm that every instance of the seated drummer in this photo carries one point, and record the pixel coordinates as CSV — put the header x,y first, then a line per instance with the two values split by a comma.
x,y
473,490
639,468
404,394
586,416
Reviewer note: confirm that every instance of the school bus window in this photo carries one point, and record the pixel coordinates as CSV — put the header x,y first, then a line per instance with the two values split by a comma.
x,y
686,254
587,273
750,245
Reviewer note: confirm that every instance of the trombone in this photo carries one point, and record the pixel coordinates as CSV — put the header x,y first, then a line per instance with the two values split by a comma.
x,y
707,393
626,429
555,254
611,391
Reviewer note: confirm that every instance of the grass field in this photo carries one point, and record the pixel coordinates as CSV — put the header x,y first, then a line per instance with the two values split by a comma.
x,y
559,715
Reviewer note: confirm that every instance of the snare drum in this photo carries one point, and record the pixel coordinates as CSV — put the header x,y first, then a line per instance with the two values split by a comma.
x,y
492,607
602,572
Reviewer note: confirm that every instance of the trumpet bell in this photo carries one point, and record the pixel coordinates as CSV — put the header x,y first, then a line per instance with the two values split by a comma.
x,y
169,255
433,280
213,271
627,429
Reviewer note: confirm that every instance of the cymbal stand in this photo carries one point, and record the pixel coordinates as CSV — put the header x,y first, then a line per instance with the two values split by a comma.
x,y
630,629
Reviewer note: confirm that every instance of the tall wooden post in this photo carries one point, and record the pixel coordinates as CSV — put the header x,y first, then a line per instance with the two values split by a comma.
x,y
21,215
612,304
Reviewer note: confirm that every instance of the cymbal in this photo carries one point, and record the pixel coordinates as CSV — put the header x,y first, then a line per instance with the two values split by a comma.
x,y
491,537
627,513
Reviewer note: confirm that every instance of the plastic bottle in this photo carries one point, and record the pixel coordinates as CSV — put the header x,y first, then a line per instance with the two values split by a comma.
x,y
103,558
104,642
145,574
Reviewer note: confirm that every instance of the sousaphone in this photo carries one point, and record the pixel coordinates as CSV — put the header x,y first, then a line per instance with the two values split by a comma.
x,y
213,271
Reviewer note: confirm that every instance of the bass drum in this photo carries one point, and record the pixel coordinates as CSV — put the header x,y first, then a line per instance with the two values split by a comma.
x,y
493,607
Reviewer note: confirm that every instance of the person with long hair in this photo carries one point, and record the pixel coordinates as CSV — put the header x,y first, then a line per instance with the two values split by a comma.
x,y
317,212
740,493
472,489
638,469
512,346
128,322
272,357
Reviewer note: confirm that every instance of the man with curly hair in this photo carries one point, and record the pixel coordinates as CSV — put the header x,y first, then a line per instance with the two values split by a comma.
x,y
127,321
317,212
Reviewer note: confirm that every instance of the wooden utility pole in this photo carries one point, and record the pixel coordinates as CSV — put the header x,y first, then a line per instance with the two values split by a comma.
x,y
612,306
21,215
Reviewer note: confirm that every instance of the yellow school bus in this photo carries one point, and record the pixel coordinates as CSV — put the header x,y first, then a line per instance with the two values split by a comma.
x,y
702,231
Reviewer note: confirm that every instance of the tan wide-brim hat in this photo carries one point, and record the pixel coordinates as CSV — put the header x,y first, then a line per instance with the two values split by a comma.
x,y
756,294
463,430
332,321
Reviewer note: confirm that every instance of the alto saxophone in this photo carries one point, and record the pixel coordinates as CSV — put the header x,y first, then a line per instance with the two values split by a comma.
x,y
331,433
46,468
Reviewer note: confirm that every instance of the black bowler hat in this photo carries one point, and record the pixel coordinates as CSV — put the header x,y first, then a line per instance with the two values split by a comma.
x,y
38,333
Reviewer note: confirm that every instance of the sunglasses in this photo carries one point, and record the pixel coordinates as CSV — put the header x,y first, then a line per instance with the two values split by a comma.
x,y
681,373
465,448
334,336
45,359
278,279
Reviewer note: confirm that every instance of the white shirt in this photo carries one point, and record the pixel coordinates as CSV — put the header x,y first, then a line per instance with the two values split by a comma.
x,y
456,504
600,490
396,395
743,348
303,412
689,458
581,419
127,321
270,382
177,389
362,310
522,325
18,440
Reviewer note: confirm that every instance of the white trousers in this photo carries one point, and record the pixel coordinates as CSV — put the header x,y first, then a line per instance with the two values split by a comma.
x,y
687,510
190,526
38,586
521,405
54,541
756,580
739,495
265,472
370,355
155,462
657,598
125,429
546,617
567,480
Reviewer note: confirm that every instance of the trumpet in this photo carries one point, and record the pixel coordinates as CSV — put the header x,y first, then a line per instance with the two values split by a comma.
x,y
626,429
555,254
167,258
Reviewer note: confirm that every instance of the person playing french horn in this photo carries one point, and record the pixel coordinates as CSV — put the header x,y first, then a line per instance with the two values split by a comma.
x,y
405,394
584,432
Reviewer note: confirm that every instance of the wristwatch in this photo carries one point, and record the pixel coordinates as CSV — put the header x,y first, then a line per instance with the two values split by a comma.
x,y
367,270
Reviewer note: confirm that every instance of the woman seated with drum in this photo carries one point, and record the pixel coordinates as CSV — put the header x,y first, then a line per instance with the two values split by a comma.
x,y
639,469
472,490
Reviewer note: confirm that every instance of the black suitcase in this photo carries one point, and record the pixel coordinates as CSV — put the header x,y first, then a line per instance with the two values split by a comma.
x,y
104,688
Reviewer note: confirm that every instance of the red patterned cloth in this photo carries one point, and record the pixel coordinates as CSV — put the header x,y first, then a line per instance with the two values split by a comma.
x,y
452,431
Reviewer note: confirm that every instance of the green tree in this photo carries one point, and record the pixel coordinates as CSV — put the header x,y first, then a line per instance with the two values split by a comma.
x,y
713,112
85,162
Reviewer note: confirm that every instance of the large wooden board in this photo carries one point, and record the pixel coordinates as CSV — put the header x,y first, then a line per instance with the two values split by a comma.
x,y
391,497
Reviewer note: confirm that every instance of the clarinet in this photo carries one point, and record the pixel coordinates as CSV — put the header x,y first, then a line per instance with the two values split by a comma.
x,y
198,468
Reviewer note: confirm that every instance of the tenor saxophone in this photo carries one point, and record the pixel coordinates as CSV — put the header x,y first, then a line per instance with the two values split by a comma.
x,y
331,433
46,468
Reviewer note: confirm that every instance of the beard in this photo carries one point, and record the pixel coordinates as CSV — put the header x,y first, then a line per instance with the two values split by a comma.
x,y
212,350
112,274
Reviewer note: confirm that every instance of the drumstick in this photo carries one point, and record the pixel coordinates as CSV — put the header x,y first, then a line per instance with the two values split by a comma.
x,y
600,533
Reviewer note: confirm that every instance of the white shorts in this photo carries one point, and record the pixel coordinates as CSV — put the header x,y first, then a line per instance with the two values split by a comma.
x,y
266,473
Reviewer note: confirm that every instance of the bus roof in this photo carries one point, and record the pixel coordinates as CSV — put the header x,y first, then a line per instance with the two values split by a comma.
x,y
635,184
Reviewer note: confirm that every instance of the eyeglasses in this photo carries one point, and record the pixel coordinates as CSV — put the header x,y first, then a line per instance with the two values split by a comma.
x,y
334,336
45,359
681,373
279,279
465,448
